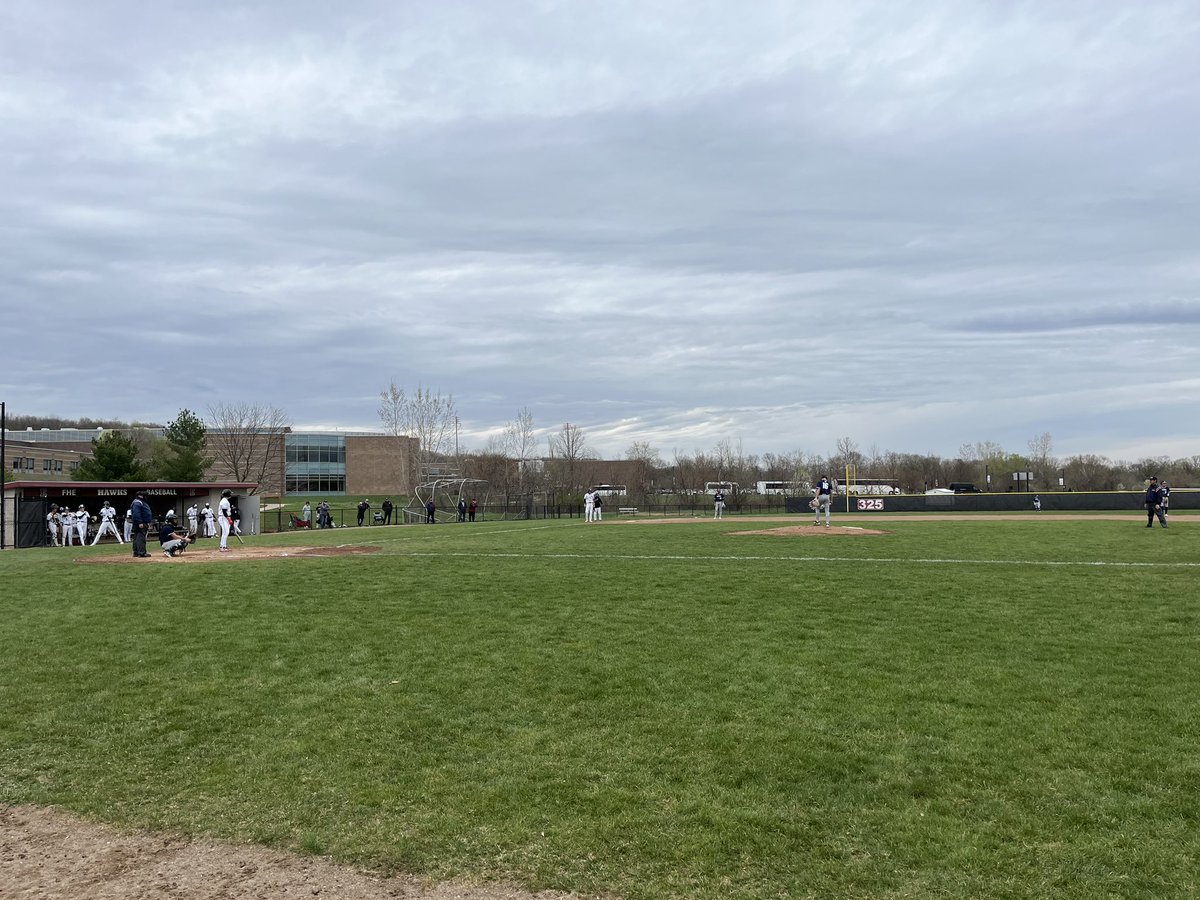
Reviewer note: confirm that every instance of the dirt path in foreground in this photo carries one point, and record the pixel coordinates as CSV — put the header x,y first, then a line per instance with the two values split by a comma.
x,y
51,855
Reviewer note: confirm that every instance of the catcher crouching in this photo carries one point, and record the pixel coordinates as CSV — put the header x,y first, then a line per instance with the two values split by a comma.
x,y
173,543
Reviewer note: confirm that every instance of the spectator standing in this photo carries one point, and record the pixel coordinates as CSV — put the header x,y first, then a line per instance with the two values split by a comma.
x,y
306,514
387,510
462,509
471,507
363,508
430,510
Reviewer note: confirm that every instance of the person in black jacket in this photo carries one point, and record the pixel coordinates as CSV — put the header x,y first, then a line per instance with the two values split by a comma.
x,y
1153,503
142,517
387,510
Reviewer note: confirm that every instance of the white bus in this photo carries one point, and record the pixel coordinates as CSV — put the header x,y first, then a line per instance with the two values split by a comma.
x,y
610,490
723,487
791,488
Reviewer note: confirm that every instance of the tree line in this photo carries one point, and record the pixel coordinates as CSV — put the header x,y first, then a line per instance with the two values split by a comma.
x,y
519,458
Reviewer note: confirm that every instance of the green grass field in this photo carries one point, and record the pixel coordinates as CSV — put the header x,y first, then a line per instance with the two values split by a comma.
x,y
957,708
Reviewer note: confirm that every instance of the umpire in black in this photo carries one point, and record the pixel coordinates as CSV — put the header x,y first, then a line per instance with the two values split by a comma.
x,y
142,517
1153,503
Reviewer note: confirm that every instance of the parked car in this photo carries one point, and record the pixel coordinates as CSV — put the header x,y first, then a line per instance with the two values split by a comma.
x,y
964,487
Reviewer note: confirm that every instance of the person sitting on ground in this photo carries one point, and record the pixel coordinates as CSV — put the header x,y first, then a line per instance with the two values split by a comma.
x,y
173,543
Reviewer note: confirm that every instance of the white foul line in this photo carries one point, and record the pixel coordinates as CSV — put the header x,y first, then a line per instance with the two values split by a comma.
x,y
847,559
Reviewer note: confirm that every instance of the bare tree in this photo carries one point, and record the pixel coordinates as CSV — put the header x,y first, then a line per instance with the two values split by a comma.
x,y
246,442
847,455
647,460
426,416
724,458
1041,449
567,451
520,442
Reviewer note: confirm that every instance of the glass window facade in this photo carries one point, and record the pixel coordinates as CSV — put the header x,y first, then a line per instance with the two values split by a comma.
x,y
316,463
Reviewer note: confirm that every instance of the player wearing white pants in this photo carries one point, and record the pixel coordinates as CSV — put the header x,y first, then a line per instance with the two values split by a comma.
x,y
52,524
128,529
108,522
81,523
589,506
193,517
66,520
225,518
210,529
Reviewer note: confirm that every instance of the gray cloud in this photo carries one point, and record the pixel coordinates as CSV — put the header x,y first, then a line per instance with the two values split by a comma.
x,y
917,225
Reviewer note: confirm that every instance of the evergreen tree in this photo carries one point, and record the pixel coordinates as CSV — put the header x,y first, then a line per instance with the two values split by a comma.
x,y
180,455
114,458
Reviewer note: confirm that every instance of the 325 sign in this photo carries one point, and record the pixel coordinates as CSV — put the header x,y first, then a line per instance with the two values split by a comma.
x,y
869,504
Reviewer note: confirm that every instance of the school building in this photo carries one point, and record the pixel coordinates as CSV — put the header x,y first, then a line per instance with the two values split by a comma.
x,y
316,463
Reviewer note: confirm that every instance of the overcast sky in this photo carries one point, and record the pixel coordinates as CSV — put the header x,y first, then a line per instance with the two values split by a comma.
x,y
916,225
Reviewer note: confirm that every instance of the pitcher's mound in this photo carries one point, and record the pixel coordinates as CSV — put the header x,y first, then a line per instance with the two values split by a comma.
x,y
813,531
239,553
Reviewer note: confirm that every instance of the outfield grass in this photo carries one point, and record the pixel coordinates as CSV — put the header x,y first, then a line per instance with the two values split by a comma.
x,y
954,709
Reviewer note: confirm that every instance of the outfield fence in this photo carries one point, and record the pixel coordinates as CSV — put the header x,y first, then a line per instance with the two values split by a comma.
x,y
698,506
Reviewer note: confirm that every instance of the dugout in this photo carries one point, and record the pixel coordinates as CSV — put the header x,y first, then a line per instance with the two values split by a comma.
x,y
27,503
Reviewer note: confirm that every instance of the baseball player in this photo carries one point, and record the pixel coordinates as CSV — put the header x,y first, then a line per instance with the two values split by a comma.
x,y
823,494
66,521
193,517
210,517
589,505
1164,494
108,522
81,523
173,543
128,529
225,518
52,524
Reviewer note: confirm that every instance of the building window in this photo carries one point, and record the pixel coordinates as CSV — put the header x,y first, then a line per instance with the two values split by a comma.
x,y
316,484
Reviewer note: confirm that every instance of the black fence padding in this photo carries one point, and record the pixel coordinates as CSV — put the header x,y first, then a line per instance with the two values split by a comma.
x,y
31,523
1112,501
